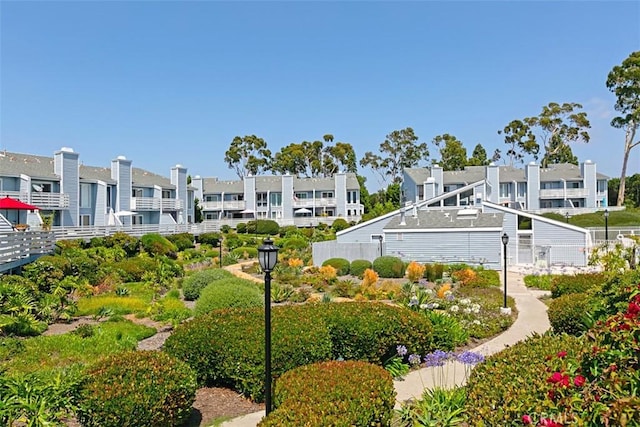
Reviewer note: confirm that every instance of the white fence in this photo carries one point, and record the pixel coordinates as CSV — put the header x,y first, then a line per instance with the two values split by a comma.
x,y
17,248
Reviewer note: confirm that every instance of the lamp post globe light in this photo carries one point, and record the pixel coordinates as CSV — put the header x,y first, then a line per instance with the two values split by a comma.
x,y
268,258
505,242
606,225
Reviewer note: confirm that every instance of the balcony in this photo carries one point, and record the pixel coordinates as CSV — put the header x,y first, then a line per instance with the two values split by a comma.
x,y
226,205
318,203
172,205
564,193
41,200
145,204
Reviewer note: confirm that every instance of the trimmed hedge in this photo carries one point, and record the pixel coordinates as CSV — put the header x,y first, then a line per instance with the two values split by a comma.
x,y
348,393
155,244
389,267
341,265
579,283
521,373
133,269
209,239
250,252
228,293
566,313
339,224
138,388
226,347
358,266
182,240
371,331
195,283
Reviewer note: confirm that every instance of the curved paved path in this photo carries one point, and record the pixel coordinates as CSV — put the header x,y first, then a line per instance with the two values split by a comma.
x,y
532,318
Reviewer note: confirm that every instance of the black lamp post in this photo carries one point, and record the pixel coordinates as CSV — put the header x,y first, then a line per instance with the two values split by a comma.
x,y
566,215
220,247
606,225
505,242
268,257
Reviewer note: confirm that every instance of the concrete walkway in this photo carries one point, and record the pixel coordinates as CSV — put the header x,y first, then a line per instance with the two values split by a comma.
x,y
532,318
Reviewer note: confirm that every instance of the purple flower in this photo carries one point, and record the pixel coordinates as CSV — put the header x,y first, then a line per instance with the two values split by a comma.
x,y
437,358
402,350
470,358
414,301
414,359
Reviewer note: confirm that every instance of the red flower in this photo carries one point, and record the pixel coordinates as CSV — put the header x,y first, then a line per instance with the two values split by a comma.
x,y
551,395
633,310
579,381
555,378
566,380
526,420
562,354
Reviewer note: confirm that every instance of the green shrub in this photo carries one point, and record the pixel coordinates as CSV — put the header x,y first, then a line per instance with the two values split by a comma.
x,y
339,224
438,272
389,267
47,271
267,226
226,347
241,227
358,266
155,244
195,283
484,279
539,281
182,240
295,242
567,313
133,269
448,333
130,244
521,374
233,241
371,331
566,284
340,264
209,239
245,252
348,393
141,388
228,293
288,231
428,272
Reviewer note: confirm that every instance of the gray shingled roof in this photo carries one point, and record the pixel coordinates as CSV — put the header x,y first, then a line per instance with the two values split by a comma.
x,y
268,183
308,184
445,219
14,164
143,178
213,185
561,171
96,173
418,175
467,176
510,174
274,183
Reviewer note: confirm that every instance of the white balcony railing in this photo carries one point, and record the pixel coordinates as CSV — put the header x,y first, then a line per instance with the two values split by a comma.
x,y
562,193
307,203
171,204
145,204
41,200
226,205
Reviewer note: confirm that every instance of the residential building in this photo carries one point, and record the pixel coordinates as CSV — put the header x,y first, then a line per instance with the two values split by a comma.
x,y
287,199
563,188
76,195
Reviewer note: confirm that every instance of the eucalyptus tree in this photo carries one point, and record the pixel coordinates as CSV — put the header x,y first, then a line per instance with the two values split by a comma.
x,y
453,155
400,149
248,155
520,140
624,81
314,159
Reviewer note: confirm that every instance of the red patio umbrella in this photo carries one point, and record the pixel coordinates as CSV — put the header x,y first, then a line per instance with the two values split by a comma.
x,y
7,203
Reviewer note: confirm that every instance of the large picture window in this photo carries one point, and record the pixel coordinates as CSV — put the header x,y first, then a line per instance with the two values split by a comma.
x,y
85,195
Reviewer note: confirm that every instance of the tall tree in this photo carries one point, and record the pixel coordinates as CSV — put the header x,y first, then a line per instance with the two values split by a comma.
x,y
340,156
560,125
453,155
478,157
400,149
624,81
248,155
520,140
313,159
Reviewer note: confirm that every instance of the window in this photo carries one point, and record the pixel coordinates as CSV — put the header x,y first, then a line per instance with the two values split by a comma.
x,y
352,196
276,199
137,192
85,220
524,223
109,197
212,198
575,184
300,195
85,195
326,195
261,200
234,197
41,187
210,216
522,189
166,194
504,189
136,219
602,186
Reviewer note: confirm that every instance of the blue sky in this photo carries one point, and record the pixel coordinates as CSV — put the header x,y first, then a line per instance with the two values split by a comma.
x,y
173,82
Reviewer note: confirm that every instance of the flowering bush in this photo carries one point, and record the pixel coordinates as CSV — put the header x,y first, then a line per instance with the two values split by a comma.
x,y
340,264
415,271
464,276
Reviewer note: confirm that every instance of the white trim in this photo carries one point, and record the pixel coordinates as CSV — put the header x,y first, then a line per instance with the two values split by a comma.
x,y
535,217
439,230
